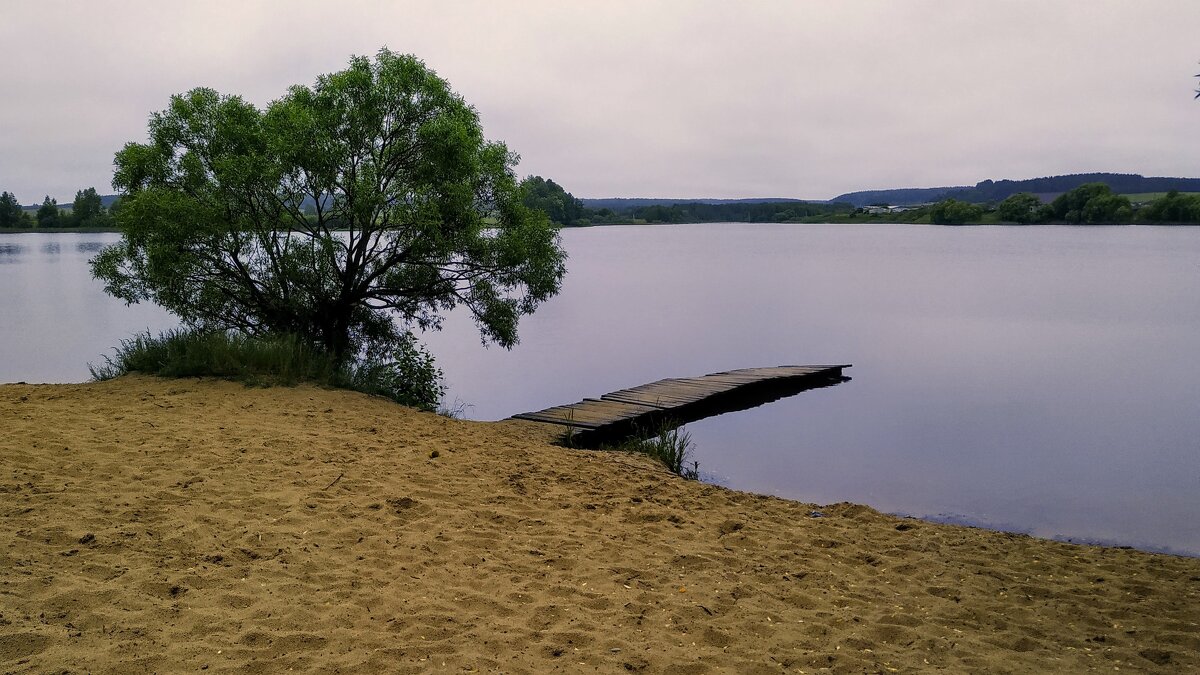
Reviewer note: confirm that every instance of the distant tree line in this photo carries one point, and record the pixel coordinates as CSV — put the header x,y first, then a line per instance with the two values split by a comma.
x,y
1088,204
565,210
741,212
87,210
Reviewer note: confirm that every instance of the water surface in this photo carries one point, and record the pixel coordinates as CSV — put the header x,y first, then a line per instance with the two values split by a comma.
x,y
54,318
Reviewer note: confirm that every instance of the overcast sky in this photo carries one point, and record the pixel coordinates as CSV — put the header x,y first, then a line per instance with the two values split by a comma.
x,y
640,98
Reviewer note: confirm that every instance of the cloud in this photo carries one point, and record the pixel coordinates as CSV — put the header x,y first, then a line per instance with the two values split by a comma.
x,y
698,98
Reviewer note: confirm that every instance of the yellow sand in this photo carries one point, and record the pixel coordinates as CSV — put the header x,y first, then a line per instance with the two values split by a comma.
x,y
181,525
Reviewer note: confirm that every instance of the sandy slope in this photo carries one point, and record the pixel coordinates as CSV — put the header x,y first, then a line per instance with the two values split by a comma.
x,y
159,525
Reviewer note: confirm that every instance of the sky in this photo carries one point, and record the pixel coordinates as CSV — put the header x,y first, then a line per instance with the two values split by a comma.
x,y
643,98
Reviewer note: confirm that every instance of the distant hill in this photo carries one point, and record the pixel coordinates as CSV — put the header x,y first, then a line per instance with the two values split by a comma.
x,y
1046,187
898,197
626,203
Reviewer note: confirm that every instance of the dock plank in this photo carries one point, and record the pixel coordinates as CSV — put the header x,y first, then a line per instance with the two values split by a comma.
x,y
679,400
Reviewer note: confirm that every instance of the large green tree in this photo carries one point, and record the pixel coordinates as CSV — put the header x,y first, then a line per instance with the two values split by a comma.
x,y
411,212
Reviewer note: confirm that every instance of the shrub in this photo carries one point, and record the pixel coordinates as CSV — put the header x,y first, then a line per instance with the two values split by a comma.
x,y
671,445
406,375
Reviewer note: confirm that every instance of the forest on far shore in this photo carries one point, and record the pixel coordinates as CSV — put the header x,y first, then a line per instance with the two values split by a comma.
x,y
1089,204
88,211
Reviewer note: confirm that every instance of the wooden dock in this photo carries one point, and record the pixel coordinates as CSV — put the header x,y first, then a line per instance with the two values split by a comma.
x,y
677,401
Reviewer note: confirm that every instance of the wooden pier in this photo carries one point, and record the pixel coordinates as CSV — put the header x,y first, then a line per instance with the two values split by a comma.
x,y
677,401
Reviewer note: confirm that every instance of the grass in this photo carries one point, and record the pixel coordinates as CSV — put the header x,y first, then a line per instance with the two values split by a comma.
x,y
255,361
456,411
671,445
1150,196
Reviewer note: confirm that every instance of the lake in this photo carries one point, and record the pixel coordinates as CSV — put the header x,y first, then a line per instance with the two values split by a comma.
x,y
1033,379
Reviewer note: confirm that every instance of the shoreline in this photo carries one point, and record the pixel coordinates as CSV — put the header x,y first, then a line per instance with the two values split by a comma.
x,y
843,221
154,524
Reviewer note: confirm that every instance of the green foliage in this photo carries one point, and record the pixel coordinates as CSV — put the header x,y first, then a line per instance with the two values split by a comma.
x,y
670,445
11,213
408,377
738,212
560,206
1173,207
88,211
1137,198
414,213
48,214
179,353
1023,208
406,374
954,212
1092,203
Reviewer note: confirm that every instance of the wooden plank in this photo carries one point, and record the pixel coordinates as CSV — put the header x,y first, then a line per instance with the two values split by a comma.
x,y
676,389
658,403
556,419
658,398
732,380
666,384
701,384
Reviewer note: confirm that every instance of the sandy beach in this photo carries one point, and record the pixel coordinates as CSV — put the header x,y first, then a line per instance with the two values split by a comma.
x,y
154,525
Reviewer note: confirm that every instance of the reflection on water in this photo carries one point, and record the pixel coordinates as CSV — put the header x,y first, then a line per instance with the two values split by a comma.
x,y
51,248
10,253
1039,379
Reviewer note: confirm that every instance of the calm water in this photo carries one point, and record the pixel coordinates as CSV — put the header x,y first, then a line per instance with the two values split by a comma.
x,y
1042,380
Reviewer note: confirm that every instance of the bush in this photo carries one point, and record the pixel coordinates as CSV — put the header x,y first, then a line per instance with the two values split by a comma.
x,y
1092,203
406,375
954,212
671,445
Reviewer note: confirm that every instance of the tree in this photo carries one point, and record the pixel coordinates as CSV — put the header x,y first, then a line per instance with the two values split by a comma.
x,y
11,213
48,214
1172,207
550,198
954,212
413,213
1092,203
1022,208
87,210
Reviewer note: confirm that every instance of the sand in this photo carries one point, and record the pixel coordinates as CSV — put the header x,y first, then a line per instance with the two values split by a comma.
x,y
186,525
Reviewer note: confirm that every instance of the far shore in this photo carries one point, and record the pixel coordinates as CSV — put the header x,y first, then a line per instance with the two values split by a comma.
x,y
862,220
55,230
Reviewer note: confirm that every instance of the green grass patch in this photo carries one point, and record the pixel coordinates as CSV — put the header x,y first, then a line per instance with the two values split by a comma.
x,y
671,445
268,361
1150,196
